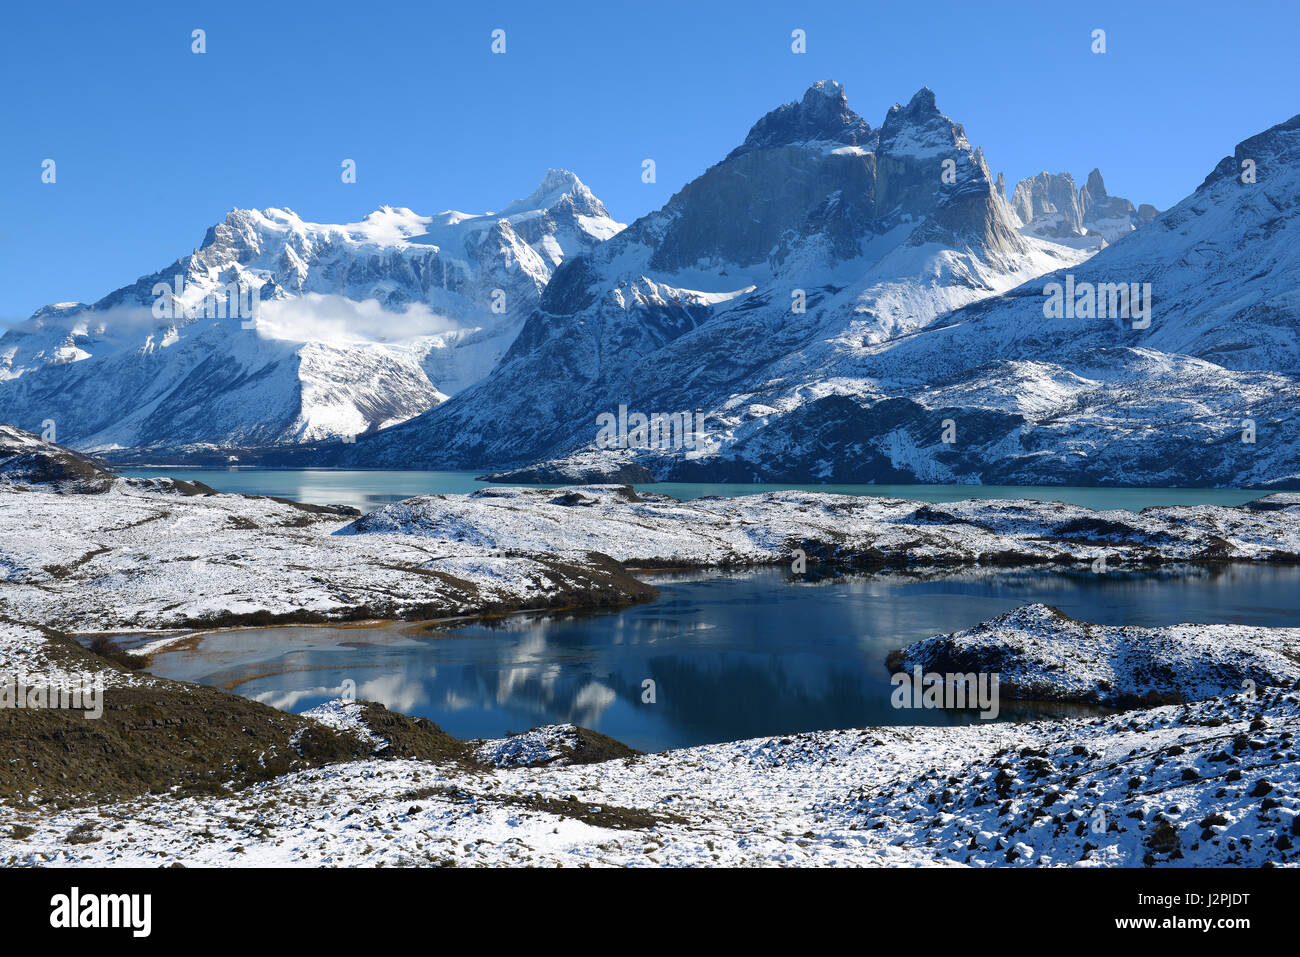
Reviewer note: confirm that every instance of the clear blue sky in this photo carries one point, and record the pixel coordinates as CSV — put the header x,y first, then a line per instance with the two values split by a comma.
x,y
154,143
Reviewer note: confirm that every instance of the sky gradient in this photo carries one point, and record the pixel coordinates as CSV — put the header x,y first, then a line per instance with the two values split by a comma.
x,y
154,143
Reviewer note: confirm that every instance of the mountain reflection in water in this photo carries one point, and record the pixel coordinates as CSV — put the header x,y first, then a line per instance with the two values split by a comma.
x,y
731,655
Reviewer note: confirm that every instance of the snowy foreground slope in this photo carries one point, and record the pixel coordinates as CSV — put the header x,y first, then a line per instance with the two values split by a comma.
x,y
356,326
1211,783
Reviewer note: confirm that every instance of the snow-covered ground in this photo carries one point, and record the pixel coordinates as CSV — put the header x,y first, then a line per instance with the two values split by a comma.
x,y
1210,782
1213,783
154,554
655,529
150,555
549,745
139,557
1043,655
26,652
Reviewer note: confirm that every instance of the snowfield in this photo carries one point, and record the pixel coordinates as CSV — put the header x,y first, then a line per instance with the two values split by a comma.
x,y
643,528
162,554
1042,655
1212,783
139,558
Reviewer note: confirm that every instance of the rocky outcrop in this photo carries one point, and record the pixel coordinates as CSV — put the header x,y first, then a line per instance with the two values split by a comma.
x,y
1041,654
1050,206
28,460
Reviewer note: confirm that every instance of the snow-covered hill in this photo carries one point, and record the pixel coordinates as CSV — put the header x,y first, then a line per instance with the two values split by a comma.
x,y
1041,654
277,330
908,365
1211,784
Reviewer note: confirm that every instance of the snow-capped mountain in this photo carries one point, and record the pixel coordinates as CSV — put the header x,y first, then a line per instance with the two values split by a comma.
x,y
277,330
1049,206
1175,363
757,288
1198,391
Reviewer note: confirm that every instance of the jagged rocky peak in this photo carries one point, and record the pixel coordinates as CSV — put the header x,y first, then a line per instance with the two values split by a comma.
x,y
823,116
1111,216
813,181
919,128
1096,186
1050,207
1049,204
559,187
238,232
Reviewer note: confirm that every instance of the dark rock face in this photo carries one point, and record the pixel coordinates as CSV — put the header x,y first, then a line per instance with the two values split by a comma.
x,y
839,440
27,459
756,206
822,116
812,172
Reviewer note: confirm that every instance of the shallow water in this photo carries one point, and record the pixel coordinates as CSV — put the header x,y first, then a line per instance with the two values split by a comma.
x,y
370,489
732,656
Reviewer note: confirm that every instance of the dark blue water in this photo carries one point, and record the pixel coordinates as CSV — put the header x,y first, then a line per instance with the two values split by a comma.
x,y
734,656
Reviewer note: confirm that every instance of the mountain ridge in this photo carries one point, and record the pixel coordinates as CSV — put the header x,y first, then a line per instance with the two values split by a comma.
x,y
1195,395
359,326
873,232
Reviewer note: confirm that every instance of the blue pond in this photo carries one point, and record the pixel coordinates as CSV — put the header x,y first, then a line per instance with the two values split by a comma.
x,y
731,655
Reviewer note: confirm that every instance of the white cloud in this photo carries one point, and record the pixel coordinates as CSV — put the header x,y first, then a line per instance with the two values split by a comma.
x,y
338,319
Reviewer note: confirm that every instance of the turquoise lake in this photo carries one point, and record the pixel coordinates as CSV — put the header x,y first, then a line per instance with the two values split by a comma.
x,y
369,489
